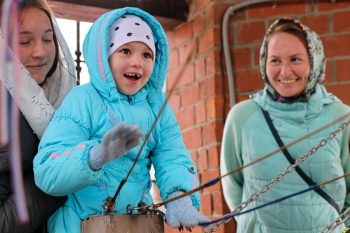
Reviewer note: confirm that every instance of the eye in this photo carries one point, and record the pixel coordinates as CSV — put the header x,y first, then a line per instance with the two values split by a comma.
x,y
147,55
24,42
48,40
275,60
295,59
125,51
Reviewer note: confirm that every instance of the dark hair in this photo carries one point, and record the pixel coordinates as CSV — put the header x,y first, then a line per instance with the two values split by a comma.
x,y
291,28
42,5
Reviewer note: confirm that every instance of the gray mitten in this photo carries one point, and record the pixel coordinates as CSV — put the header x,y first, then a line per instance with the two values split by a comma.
x,y
182,213
115,143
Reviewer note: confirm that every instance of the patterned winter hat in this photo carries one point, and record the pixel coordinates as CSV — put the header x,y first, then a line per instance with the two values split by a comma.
x,y
130,28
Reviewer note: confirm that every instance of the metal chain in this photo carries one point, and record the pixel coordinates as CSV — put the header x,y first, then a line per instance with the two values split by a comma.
x,y
280,176
341,219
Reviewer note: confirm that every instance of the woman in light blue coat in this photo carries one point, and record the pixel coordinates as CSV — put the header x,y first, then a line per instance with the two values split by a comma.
x,y
292,65
96,134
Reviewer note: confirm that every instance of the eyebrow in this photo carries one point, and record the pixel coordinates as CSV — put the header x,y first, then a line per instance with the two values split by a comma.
x,y
29,32
295,54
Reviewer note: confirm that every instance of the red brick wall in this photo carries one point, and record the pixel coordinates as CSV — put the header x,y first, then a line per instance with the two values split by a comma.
x,y
198,98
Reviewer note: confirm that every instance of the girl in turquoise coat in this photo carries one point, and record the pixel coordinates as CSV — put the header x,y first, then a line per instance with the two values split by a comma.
x,y
293,66
96,134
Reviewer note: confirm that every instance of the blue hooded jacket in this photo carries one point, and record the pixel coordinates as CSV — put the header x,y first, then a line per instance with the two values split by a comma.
x,y
87,113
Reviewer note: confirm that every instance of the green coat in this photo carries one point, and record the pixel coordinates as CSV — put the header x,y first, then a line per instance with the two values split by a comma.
x,y
247,138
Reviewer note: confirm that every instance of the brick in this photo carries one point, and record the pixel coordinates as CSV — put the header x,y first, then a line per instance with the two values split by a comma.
x,y
245,29
248,80
209,176
174,59
328,6
200,112
206,204
215,106
190,95
276,9
180,77
238,15
337,45
212,132
200,4
170,37
329,71
206,88
182,34
206,42
341,90
200,68
187,52
203,160
256,55
174,101
209,17
342,70
198,24
240,98
240,58
214,156
214,14
219,203
194,156
193,138
212,62
185,117
341,21
209,40
318,23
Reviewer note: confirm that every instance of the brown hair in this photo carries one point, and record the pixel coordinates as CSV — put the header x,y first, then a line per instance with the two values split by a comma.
x,y
42,5
288,27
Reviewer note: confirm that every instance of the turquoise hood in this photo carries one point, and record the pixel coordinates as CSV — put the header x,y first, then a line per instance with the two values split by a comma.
x,y
95,50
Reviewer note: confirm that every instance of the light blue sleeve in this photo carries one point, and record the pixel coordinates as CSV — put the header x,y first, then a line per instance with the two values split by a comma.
x,y
174,167
230,159
61,165
231,152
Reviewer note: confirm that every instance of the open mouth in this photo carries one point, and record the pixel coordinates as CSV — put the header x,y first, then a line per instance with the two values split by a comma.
x,y
132,76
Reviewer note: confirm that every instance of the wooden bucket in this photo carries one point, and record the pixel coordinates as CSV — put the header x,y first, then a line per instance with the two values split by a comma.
x,y
116,223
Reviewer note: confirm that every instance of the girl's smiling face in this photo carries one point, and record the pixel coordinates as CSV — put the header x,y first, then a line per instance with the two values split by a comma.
x,y
287,64
132,66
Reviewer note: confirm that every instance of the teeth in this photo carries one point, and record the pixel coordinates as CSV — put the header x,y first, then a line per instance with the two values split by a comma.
x,y
287,81
133,75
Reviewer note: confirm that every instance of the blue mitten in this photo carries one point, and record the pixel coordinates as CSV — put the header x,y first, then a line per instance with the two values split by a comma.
x,y
182,213
115,143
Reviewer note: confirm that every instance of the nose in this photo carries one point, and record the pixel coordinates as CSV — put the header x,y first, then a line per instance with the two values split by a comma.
x,y
136,61
286,70
39,50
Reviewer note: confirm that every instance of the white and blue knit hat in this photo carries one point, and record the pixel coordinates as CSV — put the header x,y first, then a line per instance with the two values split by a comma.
x,y
130,28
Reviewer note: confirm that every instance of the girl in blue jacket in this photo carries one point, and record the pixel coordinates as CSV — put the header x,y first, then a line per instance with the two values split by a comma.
x,y
96,134
292,65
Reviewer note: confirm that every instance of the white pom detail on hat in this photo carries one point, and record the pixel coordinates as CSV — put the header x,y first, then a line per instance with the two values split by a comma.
x,y
129,28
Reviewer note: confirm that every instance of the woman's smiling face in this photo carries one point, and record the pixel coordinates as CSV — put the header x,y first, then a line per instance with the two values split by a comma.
x,y
36,44
287,64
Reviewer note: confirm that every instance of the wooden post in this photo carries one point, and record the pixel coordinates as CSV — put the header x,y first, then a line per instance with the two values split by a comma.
x,y
116,223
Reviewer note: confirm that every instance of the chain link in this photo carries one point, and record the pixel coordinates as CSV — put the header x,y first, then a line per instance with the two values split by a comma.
x,y
280,176
341,219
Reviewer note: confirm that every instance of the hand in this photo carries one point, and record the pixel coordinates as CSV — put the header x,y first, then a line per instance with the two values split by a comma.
x,y
115,143
182,213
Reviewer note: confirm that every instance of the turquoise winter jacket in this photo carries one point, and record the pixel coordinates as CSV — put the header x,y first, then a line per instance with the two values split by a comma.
x,y
247,138
87,113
